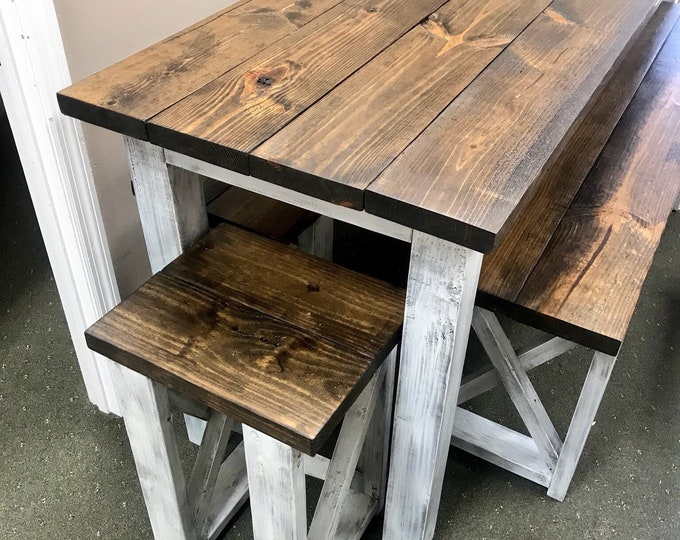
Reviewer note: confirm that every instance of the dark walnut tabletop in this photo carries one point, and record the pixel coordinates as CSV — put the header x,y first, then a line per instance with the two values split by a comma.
x,y
437,115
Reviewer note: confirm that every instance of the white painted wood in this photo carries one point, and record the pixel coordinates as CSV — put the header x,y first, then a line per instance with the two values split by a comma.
x,y
440,298
529,357
504,447
584,415
317,239
343,463
195,427
209,460
276,478
335,211
229,494
58,173
316,466
517,384
183,403
676,206
146,411
170,203
375,454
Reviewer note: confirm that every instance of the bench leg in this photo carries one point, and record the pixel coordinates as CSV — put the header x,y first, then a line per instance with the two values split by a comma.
x,y
440,298
517,384
276,477
586,409
146,411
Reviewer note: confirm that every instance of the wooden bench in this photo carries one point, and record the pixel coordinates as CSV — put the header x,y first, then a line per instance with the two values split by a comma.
x,y
285,343
575,261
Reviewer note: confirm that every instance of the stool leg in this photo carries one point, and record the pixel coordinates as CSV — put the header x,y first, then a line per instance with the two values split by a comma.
x,y
276,478
317,239
586,409
146,412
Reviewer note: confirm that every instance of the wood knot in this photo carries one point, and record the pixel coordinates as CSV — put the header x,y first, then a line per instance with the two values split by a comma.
x,y
313,288
269,364
372,10
263,80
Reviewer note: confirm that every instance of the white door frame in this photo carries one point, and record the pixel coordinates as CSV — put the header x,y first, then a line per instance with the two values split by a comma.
x,y
32,69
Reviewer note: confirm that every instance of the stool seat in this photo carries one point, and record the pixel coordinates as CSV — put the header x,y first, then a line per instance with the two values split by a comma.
x,y
273,337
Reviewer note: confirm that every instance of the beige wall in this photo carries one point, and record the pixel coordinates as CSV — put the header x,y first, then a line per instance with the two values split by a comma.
x,y
97,33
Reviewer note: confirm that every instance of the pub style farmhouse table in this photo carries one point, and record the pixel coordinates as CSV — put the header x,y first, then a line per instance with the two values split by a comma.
x,y
424,120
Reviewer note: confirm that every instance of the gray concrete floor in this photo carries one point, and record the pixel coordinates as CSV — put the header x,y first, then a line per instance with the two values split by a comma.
x,y
66,471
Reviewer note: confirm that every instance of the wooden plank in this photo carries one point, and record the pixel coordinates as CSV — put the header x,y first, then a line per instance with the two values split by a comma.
x,y
589,278
442,284
517,384
584,415
237,360
124,96
260,214
336,488
341,144
506,269
146,411
230,493
504,447
473,168
335,211
276,480
318,297
487,378
207,466
170,203
226,119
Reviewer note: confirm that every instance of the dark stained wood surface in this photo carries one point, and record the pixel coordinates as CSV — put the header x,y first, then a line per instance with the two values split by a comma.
x,y
280,340
233,86
124,96
587,282
507,268
469,173
259,214
228,118
340,145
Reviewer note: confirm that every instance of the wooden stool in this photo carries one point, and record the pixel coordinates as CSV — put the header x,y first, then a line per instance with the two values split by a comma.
x,y
286,343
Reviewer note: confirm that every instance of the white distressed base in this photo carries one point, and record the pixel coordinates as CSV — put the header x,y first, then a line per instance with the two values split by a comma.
x,y
348,499
541,458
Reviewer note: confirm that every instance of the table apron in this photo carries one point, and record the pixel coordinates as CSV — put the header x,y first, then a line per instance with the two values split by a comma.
x,y
359,218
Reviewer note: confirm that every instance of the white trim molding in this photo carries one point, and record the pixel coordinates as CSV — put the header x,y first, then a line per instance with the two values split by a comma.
x,y
32,69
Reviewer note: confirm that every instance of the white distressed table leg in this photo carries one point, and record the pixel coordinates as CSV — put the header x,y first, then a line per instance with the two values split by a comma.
x,y
146,411
170,203
440,298
584,414
276,478
173,215
676,206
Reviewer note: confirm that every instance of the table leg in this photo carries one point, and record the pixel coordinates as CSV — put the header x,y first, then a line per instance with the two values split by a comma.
x,y
173,215
442,284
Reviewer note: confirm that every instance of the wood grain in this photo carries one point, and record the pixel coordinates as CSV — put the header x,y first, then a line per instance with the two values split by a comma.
x,y
341,144
261,215
225,120
506,269
471,170
321,298
259,365
589,278
124,96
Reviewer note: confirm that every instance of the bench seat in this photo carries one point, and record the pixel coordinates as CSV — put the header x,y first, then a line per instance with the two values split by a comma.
x,y
574,263
576,268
